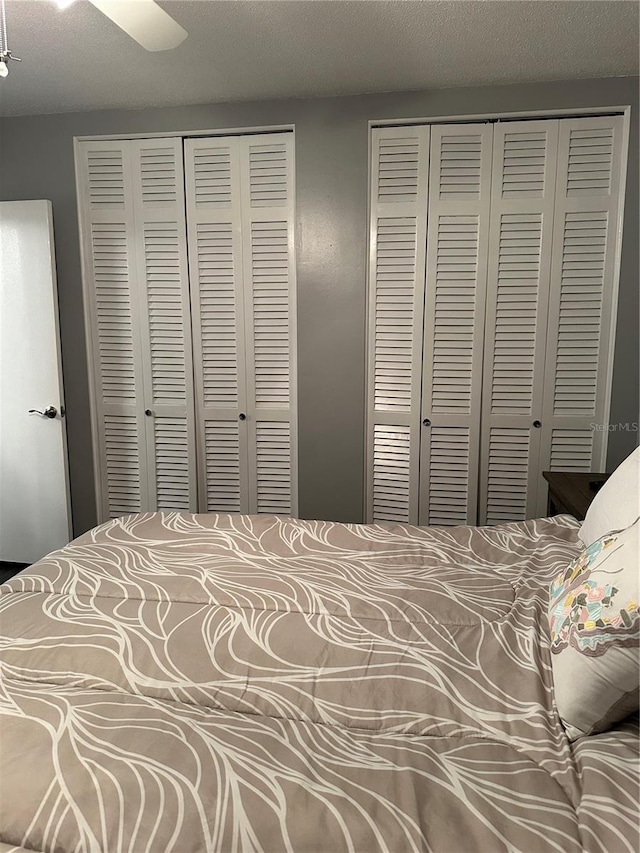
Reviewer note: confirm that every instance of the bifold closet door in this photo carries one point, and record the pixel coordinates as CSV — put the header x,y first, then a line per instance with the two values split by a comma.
x,y
267,171
240,217
212,170
520,247
522,242
456,277
136,305
583,301
555,214
398,221
111,307
165,323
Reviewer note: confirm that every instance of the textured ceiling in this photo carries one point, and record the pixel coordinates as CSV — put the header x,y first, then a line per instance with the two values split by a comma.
x,y
79,60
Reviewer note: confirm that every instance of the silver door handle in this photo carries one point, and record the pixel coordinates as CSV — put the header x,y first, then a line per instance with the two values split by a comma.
x,y
49,412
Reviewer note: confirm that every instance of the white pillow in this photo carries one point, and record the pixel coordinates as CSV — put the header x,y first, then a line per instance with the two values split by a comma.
x,y
594,622
617,504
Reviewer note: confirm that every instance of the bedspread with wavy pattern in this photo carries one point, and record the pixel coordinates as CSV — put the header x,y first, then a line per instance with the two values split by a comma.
x,y
177,682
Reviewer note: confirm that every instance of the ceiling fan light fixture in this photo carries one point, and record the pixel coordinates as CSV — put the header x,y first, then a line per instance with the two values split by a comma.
x,y
5,56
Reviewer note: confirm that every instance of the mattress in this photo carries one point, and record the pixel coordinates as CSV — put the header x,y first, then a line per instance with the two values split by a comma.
x,y
180,682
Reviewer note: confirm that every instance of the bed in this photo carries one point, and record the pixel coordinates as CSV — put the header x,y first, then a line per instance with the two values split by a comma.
x,y
179,682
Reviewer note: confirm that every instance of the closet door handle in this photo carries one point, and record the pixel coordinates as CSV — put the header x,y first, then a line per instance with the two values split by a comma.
x,y
148,412
242,416
537,424
426,422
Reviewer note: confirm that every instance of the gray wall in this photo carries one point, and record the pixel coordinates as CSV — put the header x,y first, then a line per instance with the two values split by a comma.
x,y
331,175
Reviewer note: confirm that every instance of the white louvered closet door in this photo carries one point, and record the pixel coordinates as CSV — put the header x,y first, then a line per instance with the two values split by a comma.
x,y
583,299
240,212
165,324
522,205
105,189
212,167
522,258
398,192
137,304
267,172
457,240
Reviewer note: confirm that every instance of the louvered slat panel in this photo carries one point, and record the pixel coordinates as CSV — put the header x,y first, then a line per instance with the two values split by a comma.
x,y
394,313
245,321
123,475
166,325
571,450
398,162
222,464
218,313
454,281
273,461
583,296
524,164
397,220
516,313
212,176
266,180
105,171
391,473
164,322
219,302
172,463
158,175
519,265
268,164
460,166
449,475
508,479
112,299
271,326
590,161
112,302
580,313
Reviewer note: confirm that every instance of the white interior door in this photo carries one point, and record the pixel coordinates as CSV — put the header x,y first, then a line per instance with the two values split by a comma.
x,y
34,487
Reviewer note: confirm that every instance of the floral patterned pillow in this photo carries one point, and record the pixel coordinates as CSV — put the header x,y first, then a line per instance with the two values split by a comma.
x,y
594,620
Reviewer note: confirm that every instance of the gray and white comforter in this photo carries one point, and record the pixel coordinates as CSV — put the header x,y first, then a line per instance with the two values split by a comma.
x,y
177,682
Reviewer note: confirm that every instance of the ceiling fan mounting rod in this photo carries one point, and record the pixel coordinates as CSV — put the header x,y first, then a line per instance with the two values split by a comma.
x,y
5,53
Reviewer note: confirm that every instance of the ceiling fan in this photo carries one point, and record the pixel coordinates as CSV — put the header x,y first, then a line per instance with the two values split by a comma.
x,y
143,20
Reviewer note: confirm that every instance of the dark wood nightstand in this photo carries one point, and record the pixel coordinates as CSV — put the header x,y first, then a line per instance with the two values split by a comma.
x,y
569,491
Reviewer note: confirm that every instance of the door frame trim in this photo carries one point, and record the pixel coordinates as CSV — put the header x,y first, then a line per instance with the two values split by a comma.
x,y
189,134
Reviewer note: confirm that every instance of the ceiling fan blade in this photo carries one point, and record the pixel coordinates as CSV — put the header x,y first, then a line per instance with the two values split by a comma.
x,y
144,21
